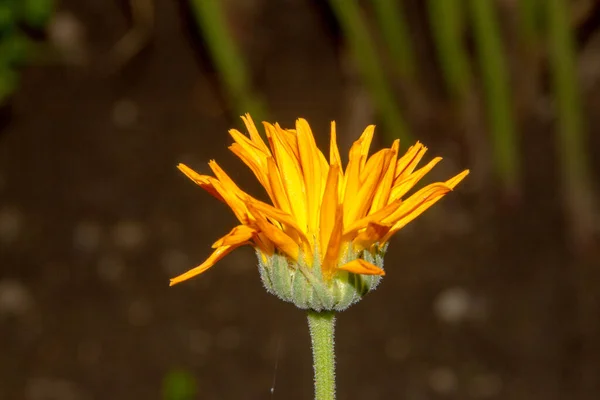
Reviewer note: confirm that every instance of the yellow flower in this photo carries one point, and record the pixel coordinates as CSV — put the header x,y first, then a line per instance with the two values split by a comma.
x,y
322,216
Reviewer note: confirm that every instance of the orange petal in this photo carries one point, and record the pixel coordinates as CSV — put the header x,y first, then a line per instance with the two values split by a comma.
x,y
332,252
408,162
201,180
282,217
254,135
402,187
239,234
281,241
370,235
210,261
362,267
376,217
411,203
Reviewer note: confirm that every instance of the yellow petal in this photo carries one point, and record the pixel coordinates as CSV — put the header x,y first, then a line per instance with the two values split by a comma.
x,y
291,176
402,187
362,267
416,204
365,140
328,208
311,168
356,205
382,194
452,182
279,195
210,261
256,163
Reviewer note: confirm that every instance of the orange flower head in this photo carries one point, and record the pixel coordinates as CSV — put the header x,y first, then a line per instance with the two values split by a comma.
x,y
321,241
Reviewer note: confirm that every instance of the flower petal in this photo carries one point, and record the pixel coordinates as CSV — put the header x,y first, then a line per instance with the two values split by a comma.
x,y
291,175
402,187
281,240
334,246
254,135
373,233
384,188
362,267
218,254
201,180
408,162
311,168
239,234
328,209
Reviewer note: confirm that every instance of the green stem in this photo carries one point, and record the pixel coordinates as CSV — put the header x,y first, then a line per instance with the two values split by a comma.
x,y
322,326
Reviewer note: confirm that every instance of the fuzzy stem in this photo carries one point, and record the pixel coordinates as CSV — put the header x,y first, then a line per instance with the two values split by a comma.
x,y
322,326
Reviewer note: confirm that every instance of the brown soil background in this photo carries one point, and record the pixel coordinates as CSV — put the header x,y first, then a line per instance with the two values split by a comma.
x,y
483,299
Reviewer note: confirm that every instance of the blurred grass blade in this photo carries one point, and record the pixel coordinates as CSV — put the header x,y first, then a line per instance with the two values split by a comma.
x,y
571,132
529,20
496,86
229,63
392,22
356,33
179,384
446,22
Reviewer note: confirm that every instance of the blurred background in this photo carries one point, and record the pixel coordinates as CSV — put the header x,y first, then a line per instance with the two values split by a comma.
x,y
492,294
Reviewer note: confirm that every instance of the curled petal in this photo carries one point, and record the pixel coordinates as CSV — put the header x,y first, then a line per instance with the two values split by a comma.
x,y
218,254
239,234
201,180
362,267
279,238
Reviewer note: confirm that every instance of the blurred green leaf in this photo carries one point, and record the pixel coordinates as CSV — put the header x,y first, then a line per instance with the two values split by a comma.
x,y
36,13
14,49
179,385
8,82
8,17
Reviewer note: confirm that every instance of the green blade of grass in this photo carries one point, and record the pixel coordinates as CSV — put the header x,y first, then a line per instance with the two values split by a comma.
x,y
228,61
356,33
529,20
391,19
575,162
496,85
446,21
